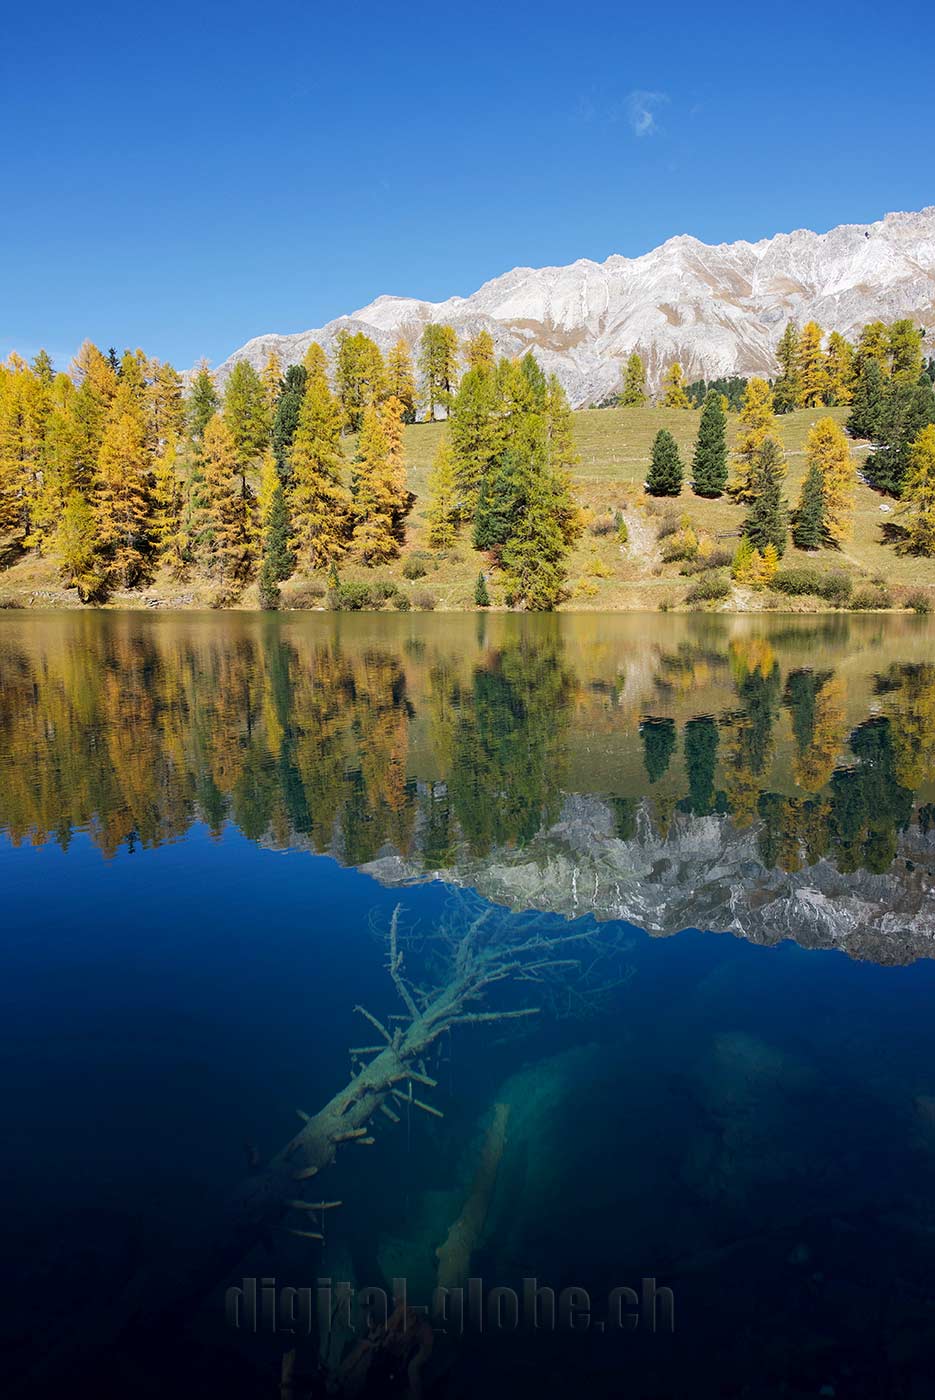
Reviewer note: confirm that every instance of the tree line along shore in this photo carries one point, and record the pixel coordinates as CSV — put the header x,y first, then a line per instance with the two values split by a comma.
x,y
454,479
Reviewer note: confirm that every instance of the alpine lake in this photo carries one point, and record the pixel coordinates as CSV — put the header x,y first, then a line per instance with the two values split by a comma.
x,y
452,1005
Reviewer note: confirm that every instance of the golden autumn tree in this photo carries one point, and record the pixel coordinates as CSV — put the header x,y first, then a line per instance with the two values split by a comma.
x,y
919,493
64,469
75,542
873,343
401,379
167,500
673,388
811,369
223,540
95,390
271,379
479,351
165,405
443,507
320,502
24,408
122,499
315,362
380,498
756,423
839,370
828,452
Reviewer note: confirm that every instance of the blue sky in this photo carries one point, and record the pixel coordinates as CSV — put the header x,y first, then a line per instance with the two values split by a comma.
x,y
185,177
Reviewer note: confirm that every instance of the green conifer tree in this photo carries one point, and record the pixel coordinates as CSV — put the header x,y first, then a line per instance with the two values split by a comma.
x,y
867,404
481,595
767,522
286,417
709,465
786,387
808,528
277,554
665,469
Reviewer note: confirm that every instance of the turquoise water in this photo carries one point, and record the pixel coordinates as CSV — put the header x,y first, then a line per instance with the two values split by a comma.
x,y
704,853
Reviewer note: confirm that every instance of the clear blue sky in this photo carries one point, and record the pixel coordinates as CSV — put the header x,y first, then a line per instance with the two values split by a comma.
x,y
183,177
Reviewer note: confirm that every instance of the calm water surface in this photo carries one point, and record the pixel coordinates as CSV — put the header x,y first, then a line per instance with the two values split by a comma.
x,y
702,851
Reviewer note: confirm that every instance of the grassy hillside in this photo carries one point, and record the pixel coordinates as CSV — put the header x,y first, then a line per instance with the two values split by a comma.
x,y
614,447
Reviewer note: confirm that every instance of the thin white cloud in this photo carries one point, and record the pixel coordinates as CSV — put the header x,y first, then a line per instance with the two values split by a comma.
x,y
641,108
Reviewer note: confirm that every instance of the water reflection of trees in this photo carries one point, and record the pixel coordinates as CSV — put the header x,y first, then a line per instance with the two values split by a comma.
x,y
133,732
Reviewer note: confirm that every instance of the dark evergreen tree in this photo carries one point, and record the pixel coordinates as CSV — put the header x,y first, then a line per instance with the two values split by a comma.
x,y
658,736
732,387
808,526
767,522
906,410
286,417
869,392
277,553
497,502
709,465
665,468
481,596
268,588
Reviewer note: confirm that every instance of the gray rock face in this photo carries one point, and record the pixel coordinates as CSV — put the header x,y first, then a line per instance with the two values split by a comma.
x,y
704,874
716,309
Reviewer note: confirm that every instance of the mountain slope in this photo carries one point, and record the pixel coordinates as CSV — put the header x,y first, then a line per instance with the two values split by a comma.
x,y
717,309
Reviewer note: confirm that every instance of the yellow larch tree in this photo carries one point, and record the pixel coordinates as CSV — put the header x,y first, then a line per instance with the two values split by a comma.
x,y
24,408
167,497
919,493
315,362
320,502
165,405
401,379
811,369
480,352
827,448
443,509
223,539
839,370
757,422
673,388
271,376
380,498
122,500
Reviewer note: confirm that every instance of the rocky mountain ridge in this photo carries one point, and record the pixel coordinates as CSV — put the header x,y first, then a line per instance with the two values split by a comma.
x,y
717,309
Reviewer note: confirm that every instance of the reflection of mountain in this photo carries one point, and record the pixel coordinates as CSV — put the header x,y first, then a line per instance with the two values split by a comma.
x,y
730,783
705,873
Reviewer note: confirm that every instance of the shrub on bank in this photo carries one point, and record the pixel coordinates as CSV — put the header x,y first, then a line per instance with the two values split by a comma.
x,y
415,567
307,594
804,580
349,596
919,602
870,599
717,559
711,588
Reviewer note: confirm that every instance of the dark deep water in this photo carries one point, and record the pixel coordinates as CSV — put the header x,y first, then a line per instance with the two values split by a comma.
x,y
207,822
